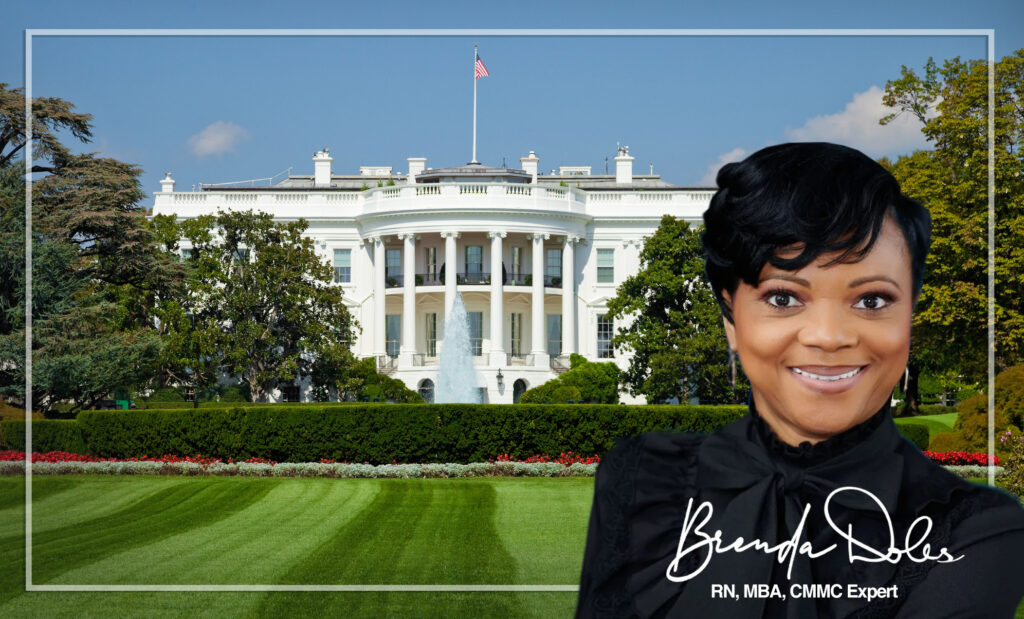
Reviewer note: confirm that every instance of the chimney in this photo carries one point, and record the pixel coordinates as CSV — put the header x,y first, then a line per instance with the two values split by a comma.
x,y
529,164
167,183
416,165
322,168
623,167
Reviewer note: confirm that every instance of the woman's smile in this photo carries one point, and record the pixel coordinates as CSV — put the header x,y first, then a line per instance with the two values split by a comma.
x,y
828,380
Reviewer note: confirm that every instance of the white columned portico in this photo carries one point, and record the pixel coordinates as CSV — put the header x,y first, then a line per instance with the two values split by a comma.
x,y
569,296
379,300
539,345
497,306
408,342
450,272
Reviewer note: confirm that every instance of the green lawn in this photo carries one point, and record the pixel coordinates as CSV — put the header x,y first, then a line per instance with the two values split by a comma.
x,y
937,424
234,530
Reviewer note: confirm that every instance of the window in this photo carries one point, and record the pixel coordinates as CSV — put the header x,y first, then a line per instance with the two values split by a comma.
x,y
426,390
554,334
239,258
393,333
605,266
431,335
431,264
474,264
517,264
517,335
342,265
289,393
187,253
604,337
474,259
553,267
393,267
476,332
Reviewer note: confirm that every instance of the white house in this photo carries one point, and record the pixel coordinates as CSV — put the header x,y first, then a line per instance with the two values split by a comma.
x,y
535,256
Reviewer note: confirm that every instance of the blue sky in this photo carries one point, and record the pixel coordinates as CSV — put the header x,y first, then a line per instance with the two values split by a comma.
x,y
217,109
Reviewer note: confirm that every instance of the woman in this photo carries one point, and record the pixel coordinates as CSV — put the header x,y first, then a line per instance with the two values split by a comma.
x,y
812,505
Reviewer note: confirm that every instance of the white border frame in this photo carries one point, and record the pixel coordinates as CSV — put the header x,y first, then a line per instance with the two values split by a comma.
x,y
989,34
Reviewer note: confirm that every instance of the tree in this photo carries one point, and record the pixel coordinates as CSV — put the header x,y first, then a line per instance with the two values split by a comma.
x,y
592,382
675,326
92,251
259,306
950,322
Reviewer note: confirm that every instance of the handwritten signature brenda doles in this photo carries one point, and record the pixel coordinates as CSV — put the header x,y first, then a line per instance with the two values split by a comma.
x,y
695,520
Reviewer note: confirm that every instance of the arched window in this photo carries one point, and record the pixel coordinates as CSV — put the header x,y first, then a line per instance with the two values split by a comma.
x,y
518,388
426,390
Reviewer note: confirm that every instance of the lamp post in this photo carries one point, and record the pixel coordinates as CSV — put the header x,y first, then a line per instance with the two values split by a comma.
x,y
501,380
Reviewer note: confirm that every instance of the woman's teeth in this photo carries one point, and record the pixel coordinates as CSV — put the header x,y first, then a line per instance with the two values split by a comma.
x,y
827,378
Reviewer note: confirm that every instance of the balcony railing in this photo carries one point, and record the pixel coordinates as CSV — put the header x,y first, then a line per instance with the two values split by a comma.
x,y
472,278
428,279
393,281
519,359
553,281
420,359
522,279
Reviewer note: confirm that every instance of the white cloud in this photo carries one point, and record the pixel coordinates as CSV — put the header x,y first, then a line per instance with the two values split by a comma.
x,y
857,126
709,177
216,139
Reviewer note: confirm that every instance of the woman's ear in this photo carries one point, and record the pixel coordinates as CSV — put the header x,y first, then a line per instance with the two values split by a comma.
x,y
730,328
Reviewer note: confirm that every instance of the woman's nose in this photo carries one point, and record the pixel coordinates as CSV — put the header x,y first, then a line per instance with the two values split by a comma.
x,y
828,327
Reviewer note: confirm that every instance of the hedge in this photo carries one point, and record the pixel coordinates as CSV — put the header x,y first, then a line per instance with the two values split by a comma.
x,y
47,435
916,433
372,433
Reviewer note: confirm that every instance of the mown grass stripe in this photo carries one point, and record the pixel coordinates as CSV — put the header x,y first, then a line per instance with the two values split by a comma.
x,y
255,545
168,512
426,531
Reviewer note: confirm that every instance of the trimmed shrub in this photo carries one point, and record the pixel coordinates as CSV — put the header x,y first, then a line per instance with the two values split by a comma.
x,y
47,435
916,433
380,433
947,441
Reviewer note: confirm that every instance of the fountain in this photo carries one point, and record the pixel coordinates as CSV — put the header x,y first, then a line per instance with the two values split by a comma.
x,y
457,380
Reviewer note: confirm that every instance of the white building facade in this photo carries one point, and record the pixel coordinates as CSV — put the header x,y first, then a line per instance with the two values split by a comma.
x,y
535,257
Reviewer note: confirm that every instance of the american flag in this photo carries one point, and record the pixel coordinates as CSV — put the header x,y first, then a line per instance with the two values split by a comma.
x,y
480,69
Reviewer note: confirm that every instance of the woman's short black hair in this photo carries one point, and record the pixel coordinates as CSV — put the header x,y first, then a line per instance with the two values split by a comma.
x,y
824,197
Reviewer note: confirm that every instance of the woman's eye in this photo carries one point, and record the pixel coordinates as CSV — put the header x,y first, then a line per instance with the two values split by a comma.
x,y
780,299
874,302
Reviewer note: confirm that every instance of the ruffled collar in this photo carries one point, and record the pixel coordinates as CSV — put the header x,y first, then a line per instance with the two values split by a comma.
x,y
806,453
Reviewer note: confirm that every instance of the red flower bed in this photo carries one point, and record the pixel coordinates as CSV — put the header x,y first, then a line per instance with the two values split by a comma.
x,y
960,458
64,456
566,458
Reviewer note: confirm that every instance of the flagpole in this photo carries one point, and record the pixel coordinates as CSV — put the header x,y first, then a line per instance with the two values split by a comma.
x,y
474,103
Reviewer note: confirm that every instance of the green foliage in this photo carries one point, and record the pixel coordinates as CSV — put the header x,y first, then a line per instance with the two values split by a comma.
x,y
47,435
592,382
971,428
165,394
676,333
916,433
260,305
380,433
96,264
949,335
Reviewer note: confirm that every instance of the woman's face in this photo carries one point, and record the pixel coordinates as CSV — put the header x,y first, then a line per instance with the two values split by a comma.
x,y
797,331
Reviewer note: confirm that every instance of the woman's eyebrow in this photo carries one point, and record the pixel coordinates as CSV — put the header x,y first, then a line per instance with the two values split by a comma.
x,y
853,284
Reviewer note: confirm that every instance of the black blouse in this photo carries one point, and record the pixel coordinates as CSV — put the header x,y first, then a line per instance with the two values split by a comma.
x,y
639,563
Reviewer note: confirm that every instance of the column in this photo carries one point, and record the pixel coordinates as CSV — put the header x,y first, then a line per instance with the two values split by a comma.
x,y
408,342
450,271
379,298
568,297
497,306
539,345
